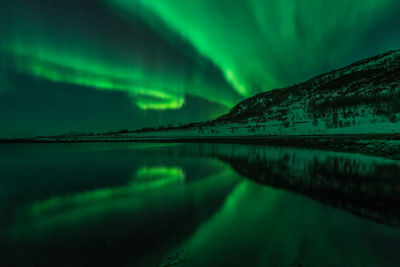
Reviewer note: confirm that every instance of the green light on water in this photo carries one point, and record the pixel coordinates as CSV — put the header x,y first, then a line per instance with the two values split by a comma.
x,y
158,176
146,178
151,189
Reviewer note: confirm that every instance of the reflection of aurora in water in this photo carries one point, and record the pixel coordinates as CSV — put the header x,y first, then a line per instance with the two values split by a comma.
x,y
166,204
144,180
151,188
266,226
158,176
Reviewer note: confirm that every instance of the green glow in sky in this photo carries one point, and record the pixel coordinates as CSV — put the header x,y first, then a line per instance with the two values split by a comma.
x,y
260,45
78,70
131,60
170,61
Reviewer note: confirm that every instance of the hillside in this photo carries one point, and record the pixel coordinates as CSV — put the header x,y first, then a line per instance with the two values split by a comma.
x,y
363,97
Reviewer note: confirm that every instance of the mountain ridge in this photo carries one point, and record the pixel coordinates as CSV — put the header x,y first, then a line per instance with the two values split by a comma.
x,y
379,71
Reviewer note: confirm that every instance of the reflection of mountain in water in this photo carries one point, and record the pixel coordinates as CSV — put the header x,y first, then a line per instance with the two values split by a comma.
x,y
366,186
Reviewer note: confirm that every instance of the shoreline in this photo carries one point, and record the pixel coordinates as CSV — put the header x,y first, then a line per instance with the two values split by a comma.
x,y
382,145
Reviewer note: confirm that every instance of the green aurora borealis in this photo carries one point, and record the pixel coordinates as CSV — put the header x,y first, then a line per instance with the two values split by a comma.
x,y
98,65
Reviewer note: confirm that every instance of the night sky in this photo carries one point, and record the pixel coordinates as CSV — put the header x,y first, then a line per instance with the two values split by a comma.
x,y
98,65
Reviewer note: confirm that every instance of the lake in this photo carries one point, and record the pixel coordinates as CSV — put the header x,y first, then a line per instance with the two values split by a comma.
x,y
143,204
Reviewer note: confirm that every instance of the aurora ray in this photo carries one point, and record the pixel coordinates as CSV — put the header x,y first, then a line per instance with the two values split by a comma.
x,y
261,45
150,63
156,75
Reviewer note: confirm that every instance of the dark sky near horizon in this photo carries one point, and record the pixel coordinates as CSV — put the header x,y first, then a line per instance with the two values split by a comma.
x,y
96,65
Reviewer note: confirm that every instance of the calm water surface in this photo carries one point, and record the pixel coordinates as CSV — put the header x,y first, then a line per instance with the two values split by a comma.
x,y
124,204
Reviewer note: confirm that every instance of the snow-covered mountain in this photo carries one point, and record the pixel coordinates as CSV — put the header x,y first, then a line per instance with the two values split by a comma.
x,y
361,98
